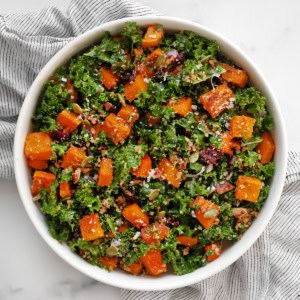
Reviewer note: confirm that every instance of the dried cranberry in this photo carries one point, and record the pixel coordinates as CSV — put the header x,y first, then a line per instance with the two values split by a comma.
x,y
76,234
126,77
210,156
131,197
175,61
102,147
60,136
171,222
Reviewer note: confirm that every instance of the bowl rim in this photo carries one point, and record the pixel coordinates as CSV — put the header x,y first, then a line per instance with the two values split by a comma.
x,y
136,283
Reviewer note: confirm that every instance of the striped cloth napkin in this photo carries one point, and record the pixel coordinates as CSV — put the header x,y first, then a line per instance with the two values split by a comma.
x,y
271,267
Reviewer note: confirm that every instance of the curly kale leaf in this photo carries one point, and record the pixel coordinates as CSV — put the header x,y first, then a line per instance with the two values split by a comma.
x,y
85,76
52,101
85,198
126,158
132,35
108,51
253,102
59,211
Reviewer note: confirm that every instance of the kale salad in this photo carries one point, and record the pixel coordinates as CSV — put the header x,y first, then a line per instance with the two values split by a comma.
x,y
150,150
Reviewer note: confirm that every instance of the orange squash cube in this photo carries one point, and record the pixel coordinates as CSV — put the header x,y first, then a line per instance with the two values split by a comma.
x,y
155,233
248,188
206,211
216,252
94,130
37,164
109,263
68,120
138,52
134,214
129,114
181,107
153,36
172,175
217,100
38,146
109,79
153,262
116,128
132,89
266,148
73,157
144,168
42,180
90,227
134,268
147,69
105,175
187,241
65,189
228,144
241,127
235,76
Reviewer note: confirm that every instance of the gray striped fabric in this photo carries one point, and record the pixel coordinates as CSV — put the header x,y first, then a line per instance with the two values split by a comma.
x,y
269,270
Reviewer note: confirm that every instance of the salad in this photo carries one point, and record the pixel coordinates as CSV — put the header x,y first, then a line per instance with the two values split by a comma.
x,y
150,150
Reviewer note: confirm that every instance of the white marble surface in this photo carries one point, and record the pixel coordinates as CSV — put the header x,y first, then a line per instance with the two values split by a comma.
x,y
267,30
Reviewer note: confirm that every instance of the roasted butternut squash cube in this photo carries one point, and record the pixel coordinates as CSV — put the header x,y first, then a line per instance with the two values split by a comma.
x,y
241,127
109,79
73,157
90,227
68,120
213,251
38,146
228,143
153,262
144,168
134,268
153,36
129,114
116,128
132,89
217,100
235,76
105,175
181,107
147,68
65,189
187,241
248,188
37,164
42,180
206,211
138,52
266,148
168,172
134,214
155,233
109,263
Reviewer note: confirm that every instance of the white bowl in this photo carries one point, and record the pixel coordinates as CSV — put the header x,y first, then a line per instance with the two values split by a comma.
x,y
120,278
